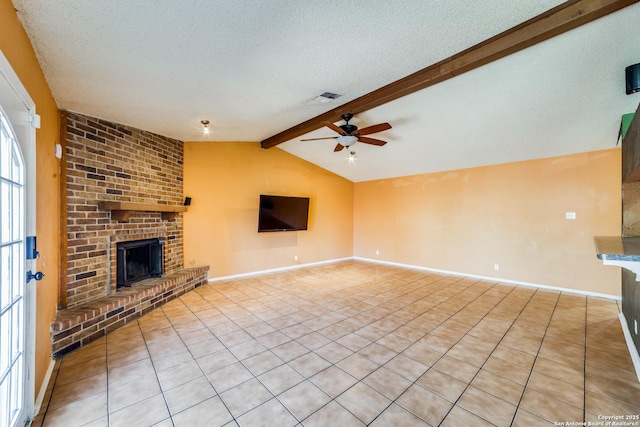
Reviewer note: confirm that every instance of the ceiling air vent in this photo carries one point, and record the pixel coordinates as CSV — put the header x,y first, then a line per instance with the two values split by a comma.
x,y
325,97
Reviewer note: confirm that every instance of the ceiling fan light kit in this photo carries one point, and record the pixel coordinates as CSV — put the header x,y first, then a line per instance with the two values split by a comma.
x,y
347,140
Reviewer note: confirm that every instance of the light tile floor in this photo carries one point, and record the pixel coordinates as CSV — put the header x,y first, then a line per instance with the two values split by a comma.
x,y
352,344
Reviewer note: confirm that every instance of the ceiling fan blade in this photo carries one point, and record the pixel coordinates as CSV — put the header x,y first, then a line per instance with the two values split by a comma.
x,y
335,128
317,139
371,141
374,128
339,147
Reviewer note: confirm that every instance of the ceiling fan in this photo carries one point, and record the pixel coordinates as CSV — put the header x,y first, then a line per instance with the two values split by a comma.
x,y
349,134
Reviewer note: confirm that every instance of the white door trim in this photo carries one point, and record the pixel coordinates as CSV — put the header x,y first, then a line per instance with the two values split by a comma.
x,y
29,155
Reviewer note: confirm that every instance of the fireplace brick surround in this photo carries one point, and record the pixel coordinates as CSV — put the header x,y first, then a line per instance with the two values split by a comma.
x,y
111,162
107,161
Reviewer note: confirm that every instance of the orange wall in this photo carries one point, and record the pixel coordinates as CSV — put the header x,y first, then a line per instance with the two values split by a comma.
x,y
513,215
225,179
16,47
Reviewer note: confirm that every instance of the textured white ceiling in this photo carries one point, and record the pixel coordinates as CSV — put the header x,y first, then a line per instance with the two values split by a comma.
x,y
252,68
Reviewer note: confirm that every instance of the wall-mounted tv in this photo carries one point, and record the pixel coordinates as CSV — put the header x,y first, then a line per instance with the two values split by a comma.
x,y
282,213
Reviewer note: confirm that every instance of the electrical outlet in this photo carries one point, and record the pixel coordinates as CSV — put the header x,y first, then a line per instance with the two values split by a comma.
x,y
295,257
496,267
377,251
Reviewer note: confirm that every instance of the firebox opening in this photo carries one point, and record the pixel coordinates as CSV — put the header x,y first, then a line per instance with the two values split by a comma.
x,y
138,260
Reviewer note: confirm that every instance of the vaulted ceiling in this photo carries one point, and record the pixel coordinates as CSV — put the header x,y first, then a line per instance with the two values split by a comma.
x,y
254,69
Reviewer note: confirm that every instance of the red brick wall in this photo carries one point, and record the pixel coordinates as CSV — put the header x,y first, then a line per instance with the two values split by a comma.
x,y
109,161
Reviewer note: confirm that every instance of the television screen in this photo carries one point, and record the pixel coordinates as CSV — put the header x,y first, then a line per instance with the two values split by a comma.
x,y
282,213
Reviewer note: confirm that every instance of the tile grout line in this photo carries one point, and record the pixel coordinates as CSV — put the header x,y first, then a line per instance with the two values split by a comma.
x,y
106,351
155,371
494,347
268,349
381,366
273,396
355,352
524,390
513,289
444,354
45,411
243,364
394,401
584,370
199,367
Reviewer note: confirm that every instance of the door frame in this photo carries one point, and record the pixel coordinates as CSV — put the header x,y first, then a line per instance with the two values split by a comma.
x,y
28,149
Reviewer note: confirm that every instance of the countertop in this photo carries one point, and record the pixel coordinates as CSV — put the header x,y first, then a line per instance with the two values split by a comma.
x,y
617,248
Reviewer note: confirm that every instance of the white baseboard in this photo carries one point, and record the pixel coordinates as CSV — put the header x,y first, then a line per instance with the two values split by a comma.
x,y
276,270
43,389
417,267
633,351
495,279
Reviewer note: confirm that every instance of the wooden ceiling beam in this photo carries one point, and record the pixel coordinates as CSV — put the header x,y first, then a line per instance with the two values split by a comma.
x,y
551,23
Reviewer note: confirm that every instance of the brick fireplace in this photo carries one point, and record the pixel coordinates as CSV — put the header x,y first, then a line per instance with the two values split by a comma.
x,y
108,161
111,163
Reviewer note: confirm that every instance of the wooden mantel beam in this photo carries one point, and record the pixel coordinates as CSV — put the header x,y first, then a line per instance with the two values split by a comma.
x,y
558,20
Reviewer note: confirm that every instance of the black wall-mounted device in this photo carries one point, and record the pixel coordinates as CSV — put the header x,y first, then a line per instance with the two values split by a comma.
x,y
31,248
632,76
187,201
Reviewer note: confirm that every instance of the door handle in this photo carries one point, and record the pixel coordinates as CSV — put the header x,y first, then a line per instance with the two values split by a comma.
x,y
38,276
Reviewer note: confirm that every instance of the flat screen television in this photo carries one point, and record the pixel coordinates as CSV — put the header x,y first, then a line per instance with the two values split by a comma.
x,y
282,213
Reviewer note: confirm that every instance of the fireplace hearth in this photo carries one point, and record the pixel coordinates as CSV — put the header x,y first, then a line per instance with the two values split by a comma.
x,y
138,260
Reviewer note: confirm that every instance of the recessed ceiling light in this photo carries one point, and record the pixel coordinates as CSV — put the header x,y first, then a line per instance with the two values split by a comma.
x,y
205,126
